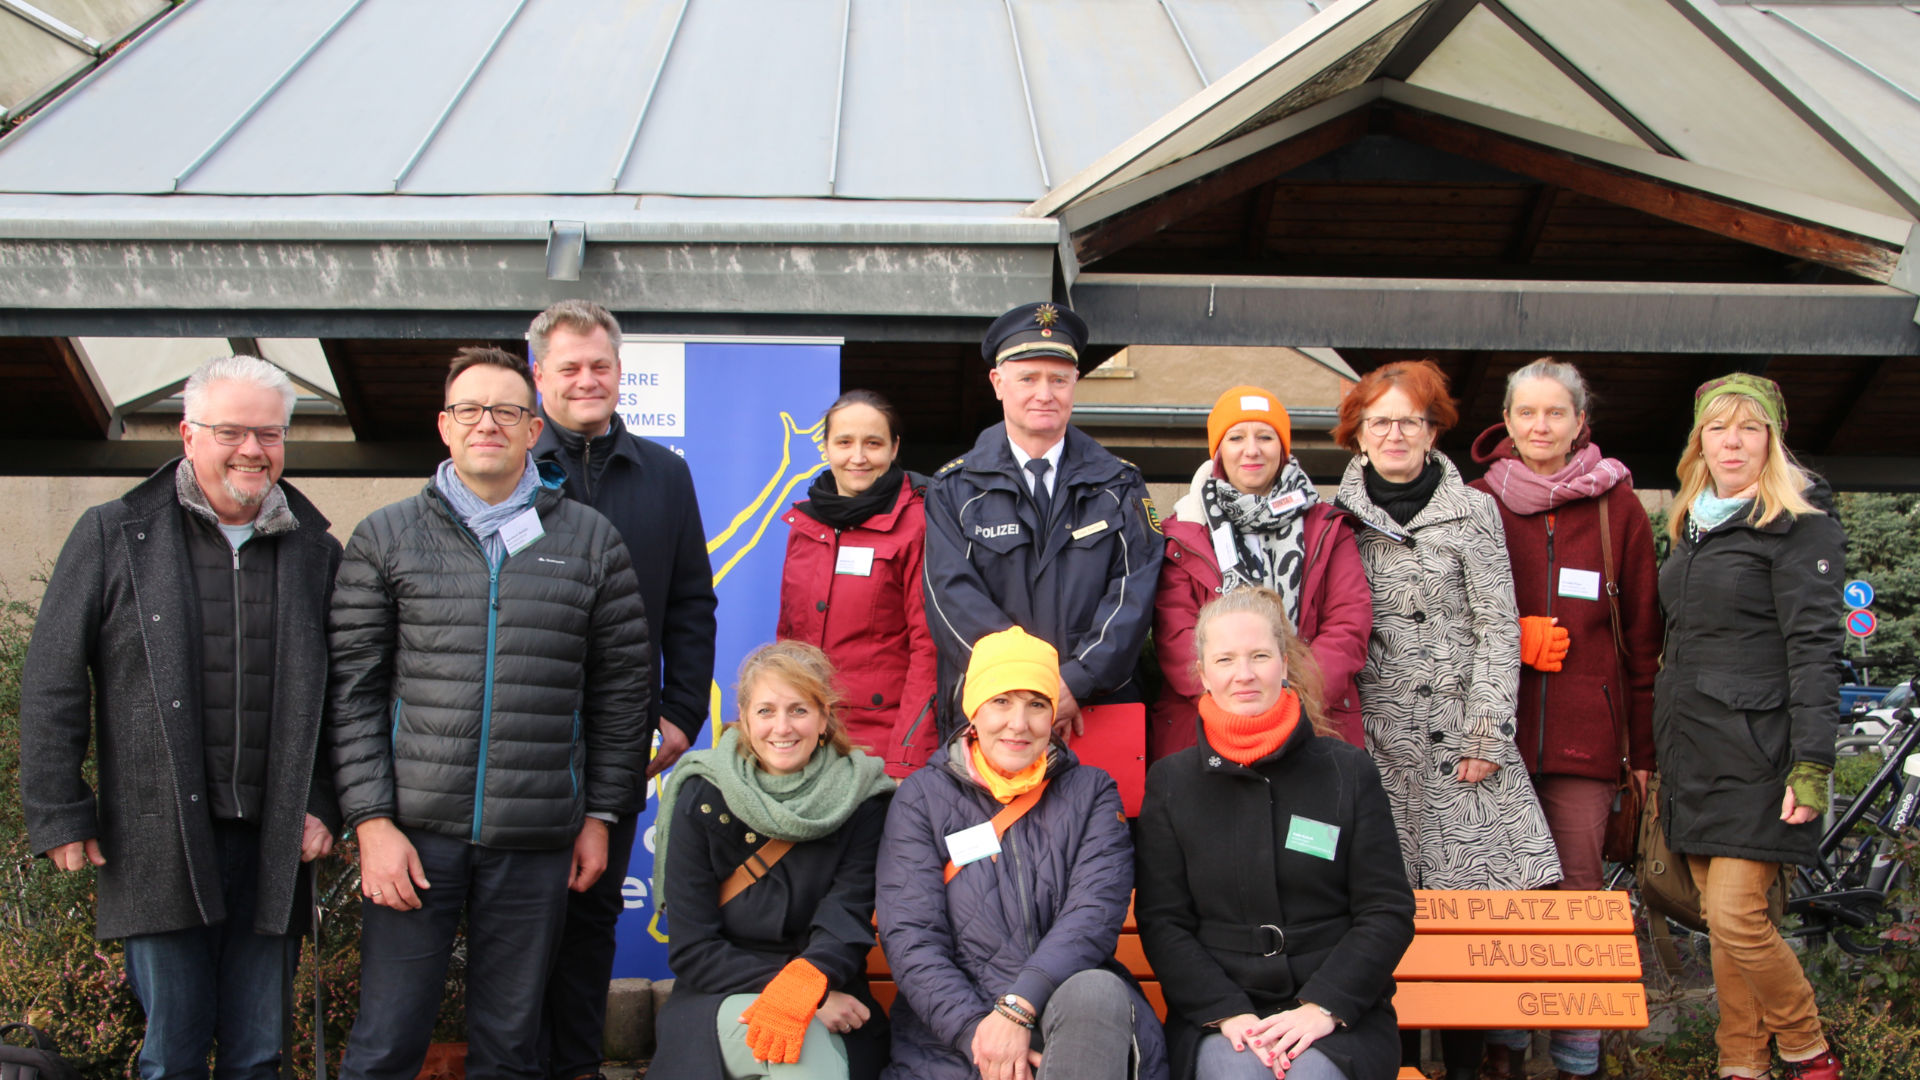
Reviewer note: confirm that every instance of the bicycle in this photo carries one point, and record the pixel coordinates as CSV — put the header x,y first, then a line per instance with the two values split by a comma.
x,y
1843,896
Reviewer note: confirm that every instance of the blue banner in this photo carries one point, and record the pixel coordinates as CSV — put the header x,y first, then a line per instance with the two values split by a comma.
x,y
745,416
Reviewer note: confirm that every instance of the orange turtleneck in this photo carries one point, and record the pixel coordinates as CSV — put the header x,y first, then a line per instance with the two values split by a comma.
x,y
1006,788
1246,739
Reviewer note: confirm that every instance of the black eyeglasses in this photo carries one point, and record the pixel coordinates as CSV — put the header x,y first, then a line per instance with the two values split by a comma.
x,y
505,415
235,434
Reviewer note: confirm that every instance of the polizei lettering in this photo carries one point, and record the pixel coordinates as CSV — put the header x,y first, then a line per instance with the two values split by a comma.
x,y
1011,528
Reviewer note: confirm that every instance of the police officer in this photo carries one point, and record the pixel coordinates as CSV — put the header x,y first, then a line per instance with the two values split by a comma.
x,y
1040,527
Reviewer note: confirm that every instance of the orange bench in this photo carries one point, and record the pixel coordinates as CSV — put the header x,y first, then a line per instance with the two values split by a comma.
x,y
1532,959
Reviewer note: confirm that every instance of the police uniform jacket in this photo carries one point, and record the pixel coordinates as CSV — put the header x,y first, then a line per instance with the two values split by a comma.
x,y
1083,581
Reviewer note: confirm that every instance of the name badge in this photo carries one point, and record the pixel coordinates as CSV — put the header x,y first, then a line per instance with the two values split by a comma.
x,y
1310,837
1085,531
972,845
1280,504
1579,584
857,561
523,530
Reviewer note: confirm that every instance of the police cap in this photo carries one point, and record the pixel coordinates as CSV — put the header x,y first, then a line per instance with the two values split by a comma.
x,y
1041,331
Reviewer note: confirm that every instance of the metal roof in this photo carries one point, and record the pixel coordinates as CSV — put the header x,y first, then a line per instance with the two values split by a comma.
x,y
45,45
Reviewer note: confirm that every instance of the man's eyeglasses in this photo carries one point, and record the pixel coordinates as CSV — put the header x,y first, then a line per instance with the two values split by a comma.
x,y
505,415
235,434
1410,426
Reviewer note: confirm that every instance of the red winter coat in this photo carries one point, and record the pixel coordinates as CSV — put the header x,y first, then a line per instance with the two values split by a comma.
x,y
1336,618
871,627
1566,725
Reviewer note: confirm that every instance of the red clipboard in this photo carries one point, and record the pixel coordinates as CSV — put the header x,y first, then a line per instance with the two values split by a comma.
x,y
1116,741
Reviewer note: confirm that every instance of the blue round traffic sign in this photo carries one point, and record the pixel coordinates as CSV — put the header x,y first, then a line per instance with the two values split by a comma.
x,y
1858,593
1861,623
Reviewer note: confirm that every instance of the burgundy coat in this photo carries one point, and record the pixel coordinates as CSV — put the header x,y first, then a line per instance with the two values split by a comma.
x,y
1336,618
872,627
1566,724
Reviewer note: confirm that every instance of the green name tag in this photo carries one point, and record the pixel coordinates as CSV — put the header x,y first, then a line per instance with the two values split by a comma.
x,y
1310,837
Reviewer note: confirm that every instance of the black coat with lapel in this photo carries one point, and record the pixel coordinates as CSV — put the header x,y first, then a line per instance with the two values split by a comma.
x,y
119,610
1213,859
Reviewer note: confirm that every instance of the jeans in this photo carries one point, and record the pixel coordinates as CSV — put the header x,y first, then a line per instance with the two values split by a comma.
x,y
1761,987
219,984
1086,1029
1220,1061
576,1004
514,903
823,1056
1576,808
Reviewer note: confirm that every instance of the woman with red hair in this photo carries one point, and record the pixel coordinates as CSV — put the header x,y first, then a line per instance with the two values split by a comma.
x,y
1443,664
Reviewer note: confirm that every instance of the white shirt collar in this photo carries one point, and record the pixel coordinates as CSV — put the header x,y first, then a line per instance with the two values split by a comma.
x,y
1021,457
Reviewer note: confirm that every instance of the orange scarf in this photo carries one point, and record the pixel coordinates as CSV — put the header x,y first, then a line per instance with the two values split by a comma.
x,y
1008,788
1246,739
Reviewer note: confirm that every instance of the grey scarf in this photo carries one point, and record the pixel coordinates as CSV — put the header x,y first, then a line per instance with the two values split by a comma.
x,y
1261,539
483,518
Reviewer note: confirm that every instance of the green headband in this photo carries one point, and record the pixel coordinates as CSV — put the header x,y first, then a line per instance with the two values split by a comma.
x,y
1764,393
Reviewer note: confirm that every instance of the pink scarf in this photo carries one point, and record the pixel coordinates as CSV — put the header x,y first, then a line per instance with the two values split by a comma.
x,y
1524,491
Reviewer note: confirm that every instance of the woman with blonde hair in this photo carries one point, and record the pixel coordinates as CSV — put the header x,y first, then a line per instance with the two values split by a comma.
x,y
1743,706
1272,901
764,864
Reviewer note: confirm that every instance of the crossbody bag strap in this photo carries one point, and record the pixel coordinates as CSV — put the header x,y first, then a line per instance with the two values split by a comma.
x,y
1609,586
756,867
1004,820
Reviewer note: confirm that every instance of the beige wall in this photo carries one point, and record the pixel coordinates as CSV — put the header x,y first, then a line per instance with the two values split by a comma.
x,y
44,509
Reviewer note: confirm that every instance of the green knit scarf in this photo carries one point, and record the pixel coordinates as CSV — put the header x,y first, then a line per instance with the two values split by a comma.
x,y
807,805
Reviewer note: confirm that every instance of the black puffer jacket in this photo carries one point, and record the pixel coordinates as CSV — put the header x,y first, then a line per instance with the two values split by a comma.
x,y
495,707
1749,682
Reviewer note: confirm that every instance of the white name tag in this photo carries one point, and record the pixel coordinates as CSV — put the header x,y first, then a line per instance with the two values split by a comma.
x,y
1085,531
1255,403
972,845
857,561
1280,504
1579,584
522,531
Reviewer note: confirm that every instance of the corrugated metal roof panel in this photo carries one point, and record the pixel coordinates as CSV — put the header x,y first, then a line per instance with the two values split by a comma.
x,y
162,102
933,105
1227,33
552,109
746,103
350,116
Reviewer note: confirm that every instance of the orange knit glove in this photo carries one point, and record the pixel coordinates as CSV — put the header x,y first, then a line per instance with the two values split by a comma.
x,y
777,1020
1543,642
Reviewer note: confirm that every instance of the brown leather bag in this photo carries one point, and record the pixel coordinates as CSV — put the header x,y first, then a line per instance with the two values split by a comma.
x,y
1622,840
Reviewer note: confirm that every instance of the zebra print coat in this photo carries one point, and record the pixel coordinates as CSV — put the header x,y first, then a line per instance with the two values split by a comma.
x,y
1443,666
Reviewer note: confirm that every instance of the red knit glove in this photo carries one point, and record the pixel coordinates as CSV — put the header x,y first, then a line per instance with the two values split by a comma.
x,y
777,1020
1543,642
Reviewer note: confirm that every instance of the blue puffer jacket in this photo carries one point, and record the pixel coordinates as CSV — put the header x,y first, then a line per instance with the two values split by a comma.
x,y
1049,907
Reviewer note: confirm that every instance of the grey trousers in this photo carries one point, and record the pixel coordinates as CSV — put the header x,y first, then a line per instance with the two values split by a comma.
x,y
1220,1061
1086,1030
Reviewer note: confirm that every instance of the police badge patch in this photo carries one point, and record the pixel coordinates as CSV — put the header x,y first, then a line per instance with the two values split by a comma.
x,y
1153,516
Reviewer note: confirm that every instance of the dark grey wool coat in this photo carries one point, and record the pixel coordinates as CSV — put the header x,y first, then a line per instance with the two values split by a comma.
x,y
120,610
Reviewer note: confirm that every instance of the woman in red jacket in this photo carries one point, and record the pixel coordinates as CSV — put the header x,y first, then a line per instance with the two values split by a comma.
x,y
851,583
1578,693
1253,518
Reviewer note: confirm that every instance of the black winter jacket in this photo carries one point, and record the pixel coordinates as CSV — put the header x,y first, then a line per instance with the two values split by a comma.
x,y
1214,866
1086,587
115,659
646,490
1749,682
496,707
815,904
236,594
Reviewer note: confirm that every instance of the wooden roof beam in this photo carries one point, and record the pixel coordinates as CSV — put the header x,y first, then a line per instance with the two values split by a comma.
x,y
89,402
352,402
1868,258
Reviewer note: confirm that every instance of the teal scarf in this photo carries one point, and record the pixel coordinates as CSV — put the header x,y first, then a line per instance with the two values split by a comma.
x,y
807,805
1709,511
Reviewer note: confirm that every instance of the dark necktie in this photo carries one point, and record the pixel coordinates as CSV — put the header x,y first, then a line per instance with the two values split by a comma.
x,y
1042,501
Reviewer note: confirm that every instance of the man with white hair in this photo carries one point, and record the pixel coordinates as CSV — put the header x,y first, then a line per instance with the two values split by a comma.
x,y
183,633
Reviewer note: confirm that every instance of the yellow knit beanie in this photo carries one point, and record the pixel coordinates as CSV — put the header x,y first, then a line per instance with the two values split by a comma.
x,y
1010,660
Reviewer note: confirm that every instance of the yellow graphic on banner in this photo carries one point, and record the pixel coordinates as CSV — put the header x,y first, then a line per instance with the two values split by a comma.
x,y
802,456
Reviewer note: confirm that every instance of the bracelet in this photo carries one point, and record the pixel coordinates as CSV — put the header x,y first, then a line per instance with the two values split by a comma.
x,y
1010,1013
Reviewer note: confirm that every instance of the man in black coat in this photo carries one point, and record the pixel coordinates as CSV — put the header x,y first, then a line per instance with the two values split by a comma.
x,y
487,717
1039,527
193,606
647,492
